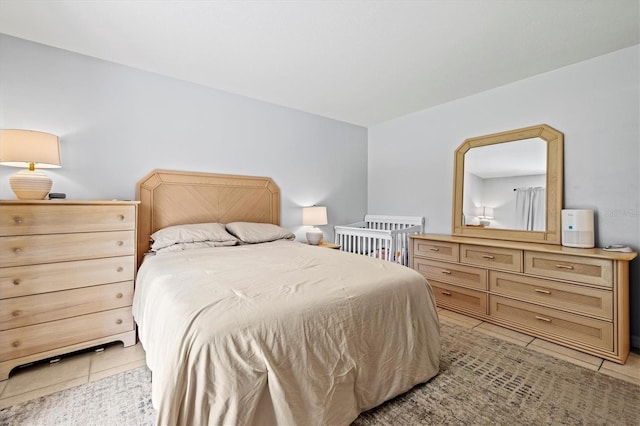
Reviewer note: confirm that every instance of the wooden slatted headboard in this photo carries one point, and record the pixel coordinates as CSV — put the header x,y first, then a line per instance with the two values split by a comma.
x,y
176,198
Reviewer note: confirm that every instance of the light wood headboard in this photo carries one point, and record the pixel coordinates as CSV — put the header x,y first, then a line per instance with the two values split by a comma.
x,y
175,198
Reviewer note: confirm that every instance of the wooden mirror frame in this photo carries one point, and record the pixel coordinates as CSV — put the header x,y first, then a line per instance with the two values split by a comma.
x,y
552,234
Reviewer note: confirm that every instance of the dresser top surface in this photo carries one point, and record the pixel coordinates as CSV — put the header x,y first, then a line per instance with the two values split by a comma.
x,y
66,202
546,248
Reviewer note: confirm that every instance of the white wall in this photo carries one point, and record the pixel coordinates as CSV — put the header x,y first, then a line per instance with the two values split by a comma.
x,y
596,104
116,124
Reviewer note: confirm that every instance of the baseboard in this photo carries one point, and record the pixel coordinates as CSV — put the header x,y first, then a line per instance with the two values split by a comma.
x,y
635,342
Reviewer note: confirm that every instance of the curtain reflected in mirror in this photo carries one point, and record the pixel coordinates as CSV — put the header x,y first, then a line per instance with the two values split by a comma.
x,y
530,208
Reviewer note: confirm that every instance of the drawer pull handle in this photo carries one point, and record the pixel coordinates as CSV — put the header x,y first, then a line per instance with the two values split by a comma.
x,y
444,271
488,256
434,249
542,291
120,243
564,266
17,220
16,313
119,295
16,343
118,321
120,269
121,217
446,293
17,281
17,250
543,319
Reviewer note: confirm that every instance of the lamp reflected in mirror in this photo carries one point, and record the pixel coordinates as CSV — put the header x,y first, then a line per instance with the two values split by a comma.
x,y
485,213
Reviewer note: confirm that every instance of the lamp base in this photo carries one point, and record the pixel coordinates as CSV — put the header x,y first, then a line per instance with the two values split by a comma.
x,y
485,222
314,236
30,184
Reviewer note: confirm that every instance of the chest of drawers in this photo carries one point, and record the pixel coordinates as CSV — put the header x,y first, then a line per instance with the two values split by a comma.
x,y
574,297
66,277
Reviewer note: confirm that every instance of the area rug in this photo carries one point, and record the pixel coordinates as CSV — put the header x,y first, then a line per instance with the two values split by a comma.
x,y
482,381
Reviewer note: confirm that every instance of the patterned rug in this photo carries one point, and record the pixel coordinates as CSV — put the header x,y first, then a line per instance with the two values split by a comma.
x,y
482,381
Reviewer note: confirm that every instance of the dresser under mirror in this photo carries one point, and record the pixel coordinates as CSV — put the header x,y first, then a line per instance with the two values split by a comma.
x,y
508,267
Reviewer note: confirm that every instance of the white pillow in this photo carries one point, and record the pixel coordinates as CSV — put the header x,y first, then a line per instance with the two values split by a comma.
x,y
250,232
190,233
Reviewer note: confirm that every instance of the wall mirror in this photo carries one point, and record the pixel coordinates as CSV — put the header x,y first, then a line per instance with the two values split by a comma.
x,y
508,186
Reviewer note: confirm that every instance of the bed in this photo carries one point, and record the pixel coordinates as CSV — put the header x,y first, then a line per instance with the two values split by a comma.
x,y
274,332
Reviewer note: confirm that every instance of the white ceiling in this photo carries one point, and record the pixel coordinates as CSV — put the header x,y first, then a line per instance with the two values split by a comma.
x,y
362,62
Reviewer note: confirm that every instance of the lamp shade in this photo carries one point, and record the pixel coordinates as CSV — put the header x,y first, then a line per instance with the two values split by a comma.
x,y
313,216
19,148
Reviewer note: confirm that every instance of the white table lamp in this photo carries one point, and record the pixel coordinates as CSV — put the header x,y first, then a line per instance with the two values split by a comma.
x,y
314,216
29,149
485,213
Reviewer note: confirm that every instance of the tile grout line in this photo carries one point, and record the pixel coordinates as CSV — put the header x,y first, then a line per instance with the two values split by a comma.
x,y
90,365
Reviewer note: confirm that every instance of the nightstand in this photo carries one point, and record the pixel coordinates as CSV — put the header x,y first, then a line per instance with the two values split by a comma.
x,y
329,245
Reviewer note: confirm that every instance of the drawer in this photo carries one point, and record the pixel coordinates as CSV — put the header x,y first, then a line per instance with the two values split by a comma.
x,y
61,219
551,322
435,249
34,249
25,280
33,339
492,257
452,273
448,295
30,310
573,268
566,296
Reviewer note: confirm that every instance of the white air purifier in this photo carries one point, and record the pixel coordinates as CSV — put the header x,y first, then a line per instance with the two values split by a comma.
x,y
577,228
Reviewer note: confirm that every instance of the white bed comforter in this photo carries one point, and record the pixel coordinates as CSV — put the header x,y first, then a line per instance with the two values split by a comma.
x,y
281,332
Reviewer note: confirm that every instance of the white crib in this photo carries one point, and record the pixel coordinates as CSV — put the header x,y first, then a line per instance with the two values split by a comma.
x,y
386,237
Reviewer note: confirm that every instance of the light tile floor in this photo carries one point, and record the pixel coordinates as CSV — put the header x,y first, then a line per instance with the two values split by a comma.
x,y
42,379
45,378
